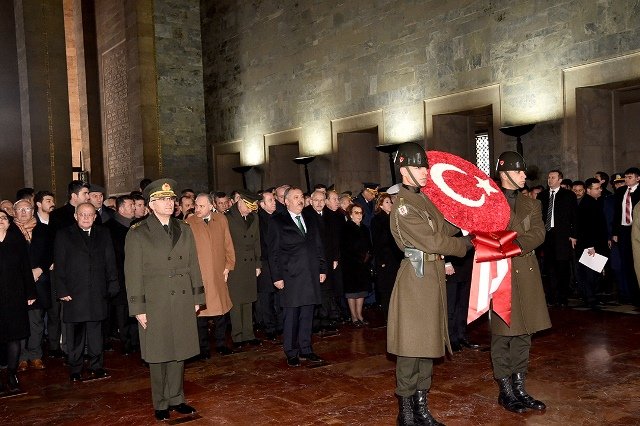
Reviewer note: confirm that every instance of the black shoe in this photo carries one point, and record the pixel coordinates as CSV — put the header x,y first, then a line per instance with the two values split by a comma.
x,y
311,357
238,345
507,398
98,373
254,342
204,355
421,413
522,395
271,336
183,408
13,386
57,353
162,415
469,345
223,350
75,378
456,347
293,361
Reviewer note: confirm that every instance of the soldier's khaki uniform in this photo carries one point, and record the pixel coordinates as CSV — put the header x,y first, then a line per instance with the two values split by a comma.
x,y
164,282
417,323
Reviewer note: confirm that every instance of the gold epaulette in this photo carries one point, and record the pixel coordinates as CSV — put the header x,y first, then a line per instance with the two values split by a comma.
x,y
135,225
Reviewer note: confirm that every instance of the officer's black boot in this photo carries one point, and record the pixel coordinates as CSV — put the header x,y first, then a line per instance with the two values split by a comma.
x,y
507,398
405,412
12,381
522,395
421,413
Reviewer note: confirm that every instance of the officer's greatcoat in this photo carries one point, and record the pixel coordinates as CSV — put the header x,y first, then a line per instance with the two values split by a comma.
x,y
163,281
417,322
528,306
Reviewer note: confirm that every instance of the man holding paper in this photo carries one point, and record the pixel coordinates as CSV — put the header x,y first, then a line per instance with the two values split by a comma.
x,y
510,344
592,237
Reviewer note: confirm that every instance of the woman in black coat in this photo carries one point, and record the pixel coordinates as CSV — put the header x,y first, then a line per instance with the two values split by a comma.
x,y
386,253
355,256
17,292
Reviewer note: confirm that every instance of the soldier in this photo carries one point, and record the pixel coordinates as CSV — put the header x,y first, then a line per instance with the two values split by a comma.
x,y
417,323
164,288
510,344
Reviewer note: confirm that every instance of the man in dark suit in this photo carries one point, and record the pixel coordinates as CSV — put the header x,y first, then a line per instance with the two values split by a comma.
x,y
367,200
60,218
592,236
96,197
85,276
626,198
119,227
458,271
328,312
268,303
559,215
297,269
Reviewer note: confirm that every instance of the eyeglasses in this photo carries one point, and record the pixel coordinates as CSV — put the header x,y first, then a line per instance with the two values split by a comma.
x,y
25,209
4,218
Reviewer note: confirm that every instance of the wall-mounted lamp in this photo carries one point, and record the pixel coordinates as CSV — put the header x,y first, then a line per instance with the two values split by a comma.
x,y
243,170
518,132
390,149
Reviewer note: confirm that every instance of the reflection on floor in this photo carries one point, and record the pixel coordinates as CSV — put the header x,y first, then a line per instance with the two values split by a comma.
x,y
586,369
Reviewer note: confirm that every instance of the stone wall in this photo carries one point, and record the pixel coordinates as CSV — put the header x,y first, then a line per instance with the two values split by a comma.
x,y
180,91
275,65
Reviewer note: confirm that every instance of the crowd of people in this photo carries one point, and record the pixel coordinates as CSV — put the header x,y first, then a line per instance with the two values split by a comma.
x,y
141,267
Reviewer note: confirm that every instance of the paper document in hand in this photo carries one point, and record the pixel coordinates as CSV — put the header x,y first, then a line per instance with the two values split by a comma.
x,y
595,262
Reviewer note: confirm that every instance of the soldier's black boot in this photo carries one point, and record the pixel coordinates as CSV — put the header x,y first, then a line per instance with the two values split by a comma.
x,y
421,414
507,398
518,389
405,412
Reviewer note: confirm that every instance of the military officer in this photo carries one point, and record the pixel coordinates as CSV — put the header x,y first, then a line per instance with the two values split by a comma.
x,y
510,344
417,323
244,227
164,288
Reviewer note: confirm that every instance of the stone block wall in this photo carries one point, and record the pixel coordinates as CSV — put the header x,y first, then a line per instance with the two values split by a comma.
x,y
274,65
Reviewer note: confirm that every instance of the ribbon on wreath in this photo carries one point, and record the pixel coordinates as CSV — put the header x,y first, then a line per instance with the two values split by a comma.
x,y
491,277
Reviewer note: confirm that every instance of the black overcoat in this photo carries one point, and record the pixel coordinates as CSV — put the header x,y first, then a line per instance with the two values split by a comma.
x,y
118,233
296,258
592,227
16,286
41,256
387,255
85,269
355,258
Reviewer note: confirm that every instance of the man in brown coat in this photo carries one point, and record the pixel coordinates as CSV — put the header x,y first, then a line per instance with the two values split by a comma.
x,y
510,344
417,322
216,258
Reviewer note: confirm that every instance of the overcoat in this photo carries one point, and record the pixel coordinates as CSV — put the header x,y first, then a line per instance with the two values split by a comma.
x,y
85,269
245,234
355,257
41,256
119,232
528,305
215,254
164,282
387,256
16,286
297,259
417,322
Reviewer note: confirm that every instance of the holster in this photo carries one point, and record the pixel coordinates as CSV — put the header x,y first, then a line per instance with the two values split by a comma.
x,y
416,257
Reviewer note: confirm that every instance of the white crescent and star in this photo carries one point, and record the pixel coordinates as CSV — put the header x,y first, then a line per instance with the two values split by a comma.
x,y
438,169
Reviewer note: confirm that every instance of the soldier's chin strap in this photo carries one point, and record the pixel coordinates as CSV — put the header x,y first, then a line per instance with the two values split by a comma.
x,y
511,180
412,178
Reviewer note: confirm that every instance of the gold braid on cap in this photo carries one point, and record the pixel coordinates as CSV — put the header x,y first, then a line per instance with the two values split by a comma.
x,y
165,191
373,191
251,205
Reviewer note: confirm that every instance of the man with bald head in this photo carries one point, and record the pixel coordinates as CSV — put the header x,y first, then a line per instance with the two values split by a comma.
x,y
85,277
297,269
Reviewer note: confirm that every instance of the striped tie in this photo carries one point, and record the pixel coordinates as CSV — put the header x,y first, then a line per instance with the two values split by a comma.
x,y
547,223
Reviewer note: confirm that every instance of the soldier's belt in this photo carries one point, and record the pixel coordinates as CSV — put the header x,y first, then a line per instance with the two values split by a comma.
x,y
531,253
171,272
417,259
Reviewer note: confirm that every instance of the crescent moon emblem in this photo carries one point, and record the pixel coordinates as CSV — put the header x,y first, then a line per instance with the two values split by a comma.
x,y
436,174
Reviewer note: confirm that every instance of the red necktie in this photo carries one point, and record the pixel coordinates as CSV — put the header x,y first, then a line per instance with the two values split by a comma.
x,y
627,207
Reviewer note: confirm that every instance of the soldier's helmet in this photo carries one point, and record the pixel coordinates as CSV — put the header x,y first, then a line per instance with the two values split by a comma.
x,y
411,154
510,160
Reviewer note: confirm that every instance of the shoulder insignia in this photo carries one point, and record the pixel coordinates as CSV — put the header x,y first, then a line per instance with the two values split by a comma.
x,y
135,225
402,209
185,222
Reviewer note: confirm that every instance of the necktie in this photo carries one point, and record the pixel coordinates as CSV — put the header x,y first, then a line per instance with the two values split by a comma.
x,y
547,223
206,220
627,207
300,224
166,228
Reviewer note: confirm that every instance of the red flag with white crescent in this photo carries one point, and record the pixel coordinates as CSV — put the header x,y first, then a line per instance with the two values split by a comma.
x,y
472,201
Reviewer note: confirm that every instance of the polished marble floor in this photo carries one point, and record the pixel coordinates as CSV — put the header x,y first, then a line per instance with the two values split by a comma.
x,y
586,369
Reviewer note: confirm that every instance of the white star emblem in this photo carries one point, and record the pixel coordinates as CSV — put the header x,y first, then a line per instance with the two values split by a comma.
x,y
486,185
